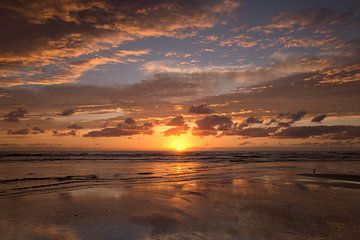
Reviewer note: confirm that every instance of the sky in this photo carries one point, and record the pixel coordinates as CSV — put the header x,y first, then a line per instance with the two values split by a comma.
x,y
179,75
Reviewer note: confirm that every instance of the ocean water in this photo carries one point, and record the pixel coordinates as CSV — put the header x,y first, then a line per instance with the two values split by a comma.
x,y
36,172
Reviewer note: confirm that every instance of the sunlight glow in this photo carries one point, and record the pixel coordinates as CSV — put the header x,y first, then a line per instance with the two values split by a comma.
x,y
179,148
179,143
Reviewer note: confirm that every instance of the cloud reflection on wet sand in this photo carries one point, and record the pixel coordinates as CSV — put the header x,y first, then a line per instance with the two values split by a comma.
x,y
271,206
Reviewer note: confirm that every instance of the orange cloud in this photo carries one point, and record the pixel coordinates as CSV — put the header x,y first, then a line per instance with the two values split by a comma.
x,y
78,29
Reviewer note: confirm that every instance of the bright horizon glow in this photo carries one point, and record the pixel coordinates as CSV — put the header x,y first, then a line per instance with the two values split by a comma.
x,y
179,76
179,143
179,148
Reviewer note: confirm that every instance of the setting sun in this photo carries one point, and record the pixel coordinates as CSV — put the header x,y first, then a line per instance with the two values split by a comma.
x,y
179,143
179,148
174,119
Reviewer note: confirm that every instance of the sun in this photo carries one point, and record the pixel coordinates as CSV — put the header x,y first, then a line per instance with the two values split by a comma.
x,y
181,143
179,148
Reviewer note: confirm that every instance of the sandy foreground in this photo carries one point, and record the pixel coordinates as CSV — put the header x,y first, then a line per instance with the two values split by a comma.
x,y
188,201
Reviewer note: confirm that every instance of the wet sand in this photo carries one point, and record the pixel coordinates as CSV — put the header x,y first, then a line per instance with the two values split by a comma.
x,y
183,200
344,177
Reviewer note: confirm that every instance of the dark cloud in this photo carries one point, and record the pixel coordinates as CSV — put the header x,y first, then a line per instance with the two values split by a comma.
x,y
128,128
253,120
176,131
23,131
282,120
157,93
319,118
297,116
200,109
289,94
67,112
95,98
214,121
62,133
37,130
14,116
74,126
333,132
110,132
129,122
203,132
177,121
210,125
284,124
292,117
252,132
26,131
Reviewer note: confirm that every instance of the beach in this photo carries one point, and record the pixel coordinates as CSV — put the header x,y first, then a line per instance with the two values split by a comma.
x,y
180,196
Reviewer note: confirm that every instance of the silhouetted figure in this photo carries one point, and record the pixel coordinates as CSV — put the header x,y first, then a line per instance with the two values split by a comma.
x,y
314,170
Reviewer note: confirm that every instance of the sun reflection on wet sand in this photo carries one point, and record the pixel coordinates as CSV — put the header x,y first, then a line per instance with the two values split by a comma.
x,y
183,202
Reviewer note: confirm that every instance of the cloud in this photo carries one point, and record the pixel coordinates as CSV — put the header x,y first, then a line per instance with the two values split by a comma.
x,y
23,131
161,94
127,53
252,132
253,120
200,109
15,115
176,131
282,120
128,128
158,97
203,132
40,12
67,112
296,42
74,126
319,118
210,125
31,52
338,75
241,40
333,132
287,119
315,19
26,131
37,130
323,29
286,94
209,39
172,54
130,122
62,133
177,121
162,86
215,79
154,101
212,121
293,117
